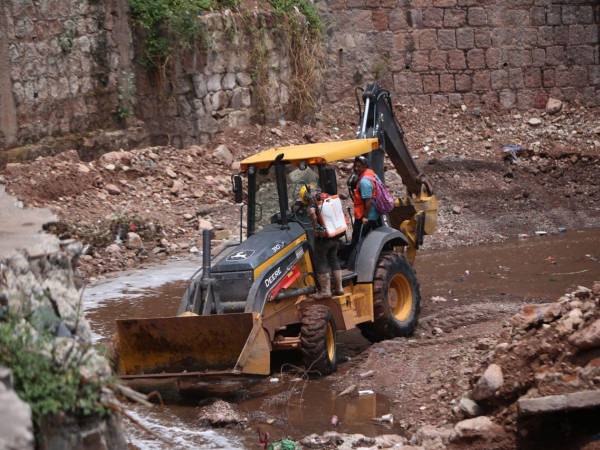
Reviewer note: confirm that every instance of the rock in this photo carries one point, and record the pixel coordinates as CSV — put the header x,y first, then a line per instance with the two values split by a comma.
x,y
535,121
223,154
83,168
194,249
188,216
588,337
221,414
553,403
456,209
534,314
367,374
481,426
390,441
571,321
428,435
116,158
553,105
469,407
176,187
315,441
112,189
277,132
16,429
134,241
349,390
113,249
491,380
204,224
170,173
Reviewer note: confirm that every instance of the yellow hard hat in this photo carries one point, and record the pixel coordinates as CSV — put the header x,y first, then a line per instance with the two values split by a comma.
x,y
305,192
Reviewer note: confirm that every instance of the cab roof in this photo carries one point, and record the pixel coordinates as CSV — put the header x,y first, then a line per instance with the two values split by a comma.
x,y
322,152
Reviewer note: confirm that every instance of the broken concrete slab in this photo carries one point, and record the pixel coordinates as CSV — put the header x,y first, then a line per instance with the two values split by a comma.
x,y
554,403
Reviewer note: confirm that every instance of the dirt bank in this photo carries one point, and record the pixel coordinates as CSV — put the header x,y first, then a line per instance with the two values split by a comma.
x,y
166,195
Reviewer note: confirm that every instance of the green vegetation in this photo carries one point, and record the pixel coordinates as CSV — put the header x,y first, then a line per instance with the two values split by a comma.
x,y
169,25
306,8
49,388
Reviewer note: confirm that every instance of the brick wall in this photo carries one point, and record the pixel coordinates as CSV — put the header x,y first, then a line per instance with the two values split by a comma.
x,y
513,53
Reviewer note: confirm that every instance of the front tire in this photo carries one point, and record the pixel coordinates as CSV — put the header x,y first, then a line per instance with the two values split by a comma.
x,y
396,300
318,340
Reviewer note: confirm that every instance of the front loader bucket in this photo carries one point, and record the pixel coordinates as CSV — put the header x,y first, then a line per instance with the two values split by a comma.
x,y
192,346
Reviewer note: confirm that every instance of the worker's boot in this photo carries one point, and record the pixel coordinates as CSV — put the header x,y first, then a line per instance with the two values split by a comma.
x,y
324,286
338,289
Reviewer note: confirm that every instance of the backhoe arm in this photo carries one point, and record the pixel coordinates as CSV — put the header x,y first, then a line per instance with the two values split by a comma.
x,y
416,214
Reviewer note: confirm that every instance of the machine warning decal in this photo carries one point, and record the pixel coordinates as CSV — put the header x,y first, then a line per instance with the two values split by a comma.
x,y
241,255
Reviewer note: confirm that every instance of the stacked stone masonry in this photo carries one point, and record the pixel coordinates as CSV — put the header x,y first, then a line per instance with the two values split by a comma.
x,y
63,67
212,88
512,53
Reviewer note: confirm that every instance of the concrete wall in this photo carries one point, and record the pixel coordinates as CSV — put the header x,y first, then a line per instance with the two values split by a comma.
x,y
508,52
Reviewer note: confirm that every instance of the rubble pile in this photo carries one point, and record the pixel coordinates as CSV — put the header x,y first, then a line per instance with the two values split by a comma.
x,y
547,362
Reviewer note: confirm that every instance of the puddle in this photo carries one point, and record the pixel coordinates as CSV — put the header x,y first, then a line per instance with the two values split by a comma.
x,y
536,269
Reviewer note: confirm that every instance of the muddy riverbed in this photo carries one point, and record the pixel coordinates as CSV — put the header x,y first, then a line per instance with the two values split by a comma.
x,y
467,293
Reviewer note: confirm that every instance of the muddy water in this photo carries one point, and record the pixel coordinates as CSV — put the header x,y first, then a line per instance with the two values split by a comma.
x,y
532,270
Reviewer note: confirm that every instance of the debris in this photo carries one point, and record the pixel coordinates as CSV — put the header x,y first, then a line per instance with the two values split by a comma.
x,y
334,421
553,403
223,154
553,105
366,374
438,299
350,389
221,414
386,418
469,407
481,426
112,189
113,249
491,380
273,380
588,337
177,187
366,392
134,241
541,233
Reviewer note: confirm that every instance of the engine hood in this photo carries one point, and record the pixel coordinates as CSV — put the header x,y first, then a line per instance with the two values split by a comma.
x,y
258,248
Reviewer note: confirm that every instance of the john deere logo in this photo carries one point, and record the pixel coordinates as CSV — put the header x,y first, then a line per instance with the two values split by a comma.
x,y
241,255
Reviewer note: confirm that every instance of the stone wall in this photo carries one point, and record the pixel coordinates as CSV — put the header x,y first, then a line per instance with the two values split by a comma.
x,y
63,67
514,53
213,86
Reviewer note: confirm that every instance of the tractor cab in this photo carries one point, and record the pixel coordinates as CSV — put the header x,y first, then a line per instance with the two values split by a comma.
x,y
276,177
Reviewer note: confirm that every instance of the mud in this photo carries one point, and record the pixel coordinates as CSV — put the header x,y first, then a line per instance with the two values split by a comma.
x,y
467,295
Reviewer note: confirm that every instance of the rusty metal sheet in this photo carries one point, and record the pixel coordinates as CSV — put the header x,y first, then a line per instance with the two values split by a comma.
x,y
182,344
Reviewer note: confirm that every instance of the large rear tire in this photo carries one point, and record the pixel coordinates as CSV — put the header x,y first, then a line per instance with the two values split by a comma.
x,y
396,300
318,340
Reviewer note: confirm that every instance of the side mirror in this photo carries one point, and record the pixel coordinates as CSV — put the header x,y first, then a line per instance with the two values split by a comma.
x,y
236,185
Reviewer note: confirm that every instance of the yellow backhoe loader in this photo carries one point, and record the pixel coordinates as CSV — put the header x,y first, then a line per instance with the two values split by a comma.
x,y
255,296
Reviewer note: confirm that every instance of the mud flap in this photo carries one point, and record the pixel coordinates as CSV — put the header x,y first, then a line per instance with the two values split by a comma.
x,y
193,345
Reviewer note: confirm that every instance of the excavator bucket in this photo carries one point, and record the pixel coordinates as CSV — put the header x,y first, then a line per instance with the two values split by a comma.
x,y
192,345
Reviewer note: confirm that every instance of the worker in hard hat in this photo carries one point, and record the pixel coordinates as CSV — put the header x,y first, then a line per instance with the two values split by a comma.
x,y
326,247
